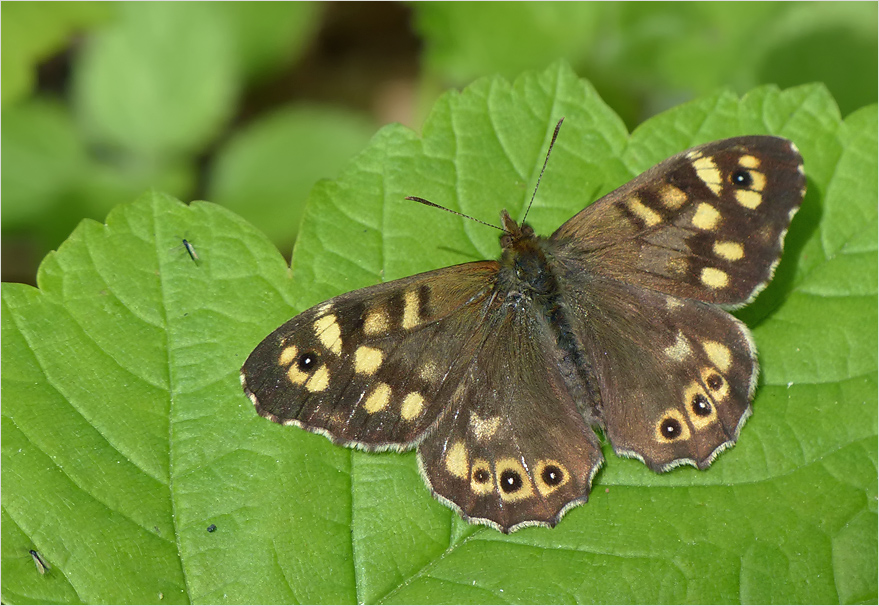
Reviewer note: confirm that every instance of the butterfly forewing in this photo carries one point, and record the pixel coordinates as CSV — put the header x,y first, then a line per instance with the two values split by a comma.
x,y
364,367
706,224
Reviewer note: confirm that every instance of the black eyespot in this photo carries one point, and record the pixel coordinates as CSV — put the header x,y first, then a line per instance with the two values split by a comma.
x,y
481,475
742,178
671,428
552,475
307,361
212,527
511,481
700,405
714,382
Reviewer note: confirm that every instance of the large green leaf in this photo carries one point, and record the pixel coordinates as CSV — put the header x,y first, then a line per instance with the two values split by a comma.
x,y
125,432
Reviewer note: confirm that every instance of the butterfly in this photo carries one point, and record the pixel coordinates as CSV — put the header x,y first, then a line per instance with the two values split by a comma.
x,y
498,372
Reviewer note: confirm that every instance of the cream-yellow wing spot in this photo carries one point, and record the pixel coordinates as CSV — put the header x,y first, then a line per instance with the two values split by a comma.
x,y
706,217
376,322
485,428
288,354
680,349
296,376
378,399
328,333
749,199
706,169
749,161
729,251
714,278
719,354
319,380
411,315
430,372
649,216
457,461
758,180
367,360
413,406
672,197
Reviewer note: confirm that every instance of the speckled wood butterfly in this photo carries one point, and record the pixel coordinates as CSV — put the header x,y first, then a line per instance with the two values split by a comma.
x,y
497,371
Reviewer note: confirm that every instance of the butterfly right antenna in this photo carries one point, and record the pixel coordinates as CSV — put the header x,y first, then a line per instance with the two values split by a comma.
x,y
555,135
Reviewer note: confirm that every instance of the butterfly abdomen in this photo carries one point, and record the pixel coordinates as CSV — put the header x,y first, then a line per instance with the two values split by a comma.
x,y
528,278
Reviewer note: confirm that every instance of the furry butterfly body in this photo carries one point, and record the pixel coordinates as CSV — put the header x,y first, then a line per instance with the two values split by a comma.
x,y
499,371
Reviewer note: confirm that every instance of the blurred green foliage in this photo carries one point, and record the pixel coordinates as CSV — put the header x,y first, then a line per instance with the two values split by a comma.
x,y
644,57
206,100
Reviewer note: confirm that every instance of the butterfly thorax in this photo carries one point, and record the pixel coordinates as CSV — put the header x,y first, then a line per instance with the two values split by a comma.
x,y
524,264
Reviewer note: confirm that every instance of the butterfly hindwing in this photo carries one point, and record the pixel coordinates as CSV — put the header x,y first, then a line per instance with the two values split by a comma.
x,y
511,448
676,376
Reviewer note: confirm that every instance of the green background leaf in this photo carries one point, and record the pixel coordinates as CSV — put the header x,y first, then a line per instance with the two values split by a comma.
x,y
125,431
161,81
266,171
32,31
644,58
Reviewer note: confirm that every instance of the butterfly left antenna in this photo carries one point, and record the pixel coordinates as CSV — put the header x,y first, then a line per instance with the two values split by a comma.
x,y
555,135
449,210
